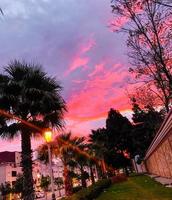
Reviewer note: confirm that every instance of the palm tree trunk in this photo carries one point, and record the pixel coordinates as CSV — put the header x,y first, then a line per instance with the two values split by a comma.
x,y
83,181
59,191
103,166
92,174
45,192
67,181
99,171
28,190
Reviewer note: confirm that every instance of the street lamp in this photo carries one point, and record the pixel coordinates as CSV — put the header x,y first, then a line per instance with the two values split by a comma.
x,y
48,139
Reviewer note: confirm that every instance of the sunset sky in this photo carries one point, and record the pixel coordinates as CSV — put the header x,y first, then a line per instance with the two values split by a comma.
x,y
73,42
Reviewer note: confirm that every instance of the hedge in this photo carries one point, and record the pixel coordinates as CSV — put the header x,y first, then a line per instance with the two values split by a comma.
x,y
118,179
91,192
94,191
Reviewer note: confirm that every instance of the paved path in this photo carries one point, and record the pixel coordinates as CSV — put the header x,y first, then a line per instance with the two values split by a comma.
x,y
164,181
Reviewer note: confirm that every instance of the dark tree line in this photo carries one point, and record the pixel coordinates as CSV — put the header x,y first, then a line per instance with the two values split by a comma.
x,y
121,140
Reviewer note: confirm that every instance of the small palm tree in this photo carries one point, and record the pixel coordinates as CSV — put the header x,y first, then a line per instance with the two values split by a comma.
x,y
28,93
18,186
45,182
91,162
80,158
99,148
60,148
63,150
59,182
70,150
5,190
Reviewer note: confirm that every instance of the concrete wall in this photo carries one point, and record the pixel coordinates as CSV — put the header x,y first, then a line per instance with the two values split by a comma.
x,y
160,161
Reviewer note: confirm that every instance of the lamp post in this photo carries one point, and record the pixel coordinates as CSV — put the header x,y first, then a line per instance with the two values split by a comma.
x,y
48,139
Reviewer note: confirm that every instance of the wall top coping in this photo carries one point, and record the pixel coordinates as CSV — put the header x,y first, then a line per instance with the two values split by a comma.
x,y
161,134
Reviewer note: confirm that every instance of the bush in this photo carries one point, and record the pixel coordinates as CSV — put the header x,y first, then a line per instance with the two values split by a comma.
x,y
94,191
118,179
76,189
91,192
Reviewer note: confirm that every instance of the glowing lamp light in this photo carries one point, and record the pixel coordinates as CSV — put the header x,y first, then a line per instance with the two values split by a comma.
x,y
38,175
48,136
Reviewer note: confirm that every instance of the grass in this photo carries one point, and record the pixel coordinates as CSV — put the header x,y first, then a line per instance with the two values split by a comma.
x,y
137,188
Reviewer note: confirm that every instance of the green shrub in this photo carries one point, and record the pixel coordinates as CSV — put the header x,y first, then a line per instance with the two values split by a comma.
x,y
91,192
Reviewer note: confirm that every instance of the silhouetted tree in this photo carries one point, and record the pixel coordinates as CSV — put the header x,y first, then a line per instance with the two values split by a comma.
x,y
148,25
147,122
59,182
112,144
18,186
166,3
118,130
5,190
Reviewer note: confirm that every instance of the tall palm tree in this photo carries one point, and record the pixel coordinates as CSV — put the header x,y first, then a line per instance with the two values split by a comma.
x,y
28,93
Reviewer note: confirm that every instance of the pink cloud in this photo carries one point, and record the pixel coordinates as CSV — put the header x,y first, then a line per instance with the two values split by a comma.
x,y
88,45
98,69
80,59
98,95
77,63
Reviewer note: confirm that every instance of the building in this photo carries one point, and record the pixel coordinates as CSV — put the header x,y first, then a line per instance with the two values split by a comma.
x,y
158,159
41,169
10,166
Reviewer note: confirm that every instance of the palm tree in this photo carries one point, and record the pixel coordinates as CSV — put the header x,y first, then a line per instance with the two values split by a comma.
x,y
5,190
97,140
71,151
28,93
61,148
80,158
91,161
59,183
45,182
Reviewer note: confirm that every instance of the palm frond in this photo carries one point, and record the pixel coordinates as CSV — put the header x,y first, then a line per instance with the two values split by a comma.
x,y
10,131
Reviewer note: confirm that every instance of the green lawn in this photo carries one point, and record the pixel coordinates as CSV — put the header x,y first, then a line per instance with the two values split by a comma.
x,y
137,188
